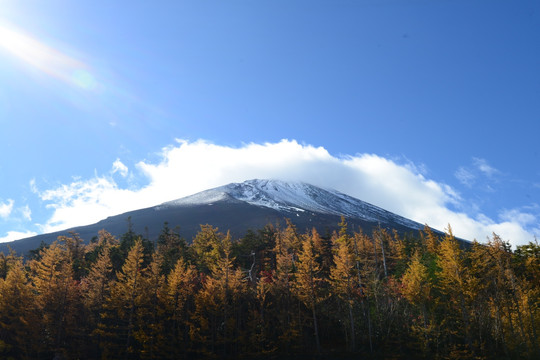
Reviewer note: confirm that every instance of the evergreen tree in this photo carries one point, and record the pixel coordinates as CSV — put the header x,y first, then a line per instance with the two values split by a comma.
x,y
171,246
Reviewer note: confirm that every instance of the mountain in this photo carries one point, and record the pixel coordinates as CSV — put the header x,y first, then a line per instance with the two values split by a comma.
x,y
294,198
238,207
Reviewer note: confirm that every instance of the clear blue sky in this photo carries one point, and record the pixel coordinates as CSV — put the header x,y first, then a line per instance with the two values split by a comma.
x,y
91,91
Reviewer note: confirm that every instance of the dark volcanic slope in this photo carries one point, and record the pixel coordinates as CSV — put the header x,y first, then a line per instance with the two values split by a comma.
x,y
232,208
236,217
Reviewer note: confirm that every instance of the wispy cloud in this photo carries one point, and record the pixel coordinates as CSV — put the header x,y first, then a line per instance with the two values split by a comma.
x,y
26,213
189,167
465,176
119,167
6,208
484,167
479,175
45,58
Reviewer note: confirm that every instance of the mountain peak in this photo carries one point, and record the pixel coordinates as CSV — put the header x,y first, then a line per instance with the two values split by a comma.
x,y
294,197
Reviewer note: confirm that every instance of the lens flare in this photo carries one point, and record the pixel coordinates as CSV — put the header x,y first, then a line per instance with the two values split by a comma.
x,y
45,58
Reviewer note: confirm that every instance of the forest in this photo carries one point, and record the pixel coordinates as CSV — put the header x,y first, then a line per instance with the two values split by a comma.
x,y
275,293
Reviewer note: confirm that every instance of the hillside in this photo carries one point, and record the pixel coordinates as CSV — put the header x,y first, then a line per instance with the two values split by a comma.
x,y
238,207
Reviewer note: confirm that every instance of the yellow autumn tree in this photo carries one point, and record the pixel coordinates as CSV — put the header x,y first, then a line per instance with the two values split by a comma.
x,y
57,297
182,284
416,289
17,315
281,288
454,284
343,281
117,326
207,247
309,284
150,314
96,284
215,322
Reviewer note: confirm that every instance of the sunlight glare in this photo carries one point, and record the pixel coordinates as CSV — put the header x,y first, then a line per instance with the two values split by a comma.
x,y
46,58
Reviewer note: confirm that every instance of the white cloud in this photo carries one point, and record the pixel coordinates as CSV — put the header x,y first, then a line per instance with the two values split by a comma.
x,y
484,167
518,216
85,202
16,235
188,167
6,209
119,167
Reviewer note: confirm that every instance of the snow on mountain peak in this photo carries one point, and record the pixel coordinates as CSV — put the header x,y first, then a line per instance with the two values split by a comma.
x,y
293,197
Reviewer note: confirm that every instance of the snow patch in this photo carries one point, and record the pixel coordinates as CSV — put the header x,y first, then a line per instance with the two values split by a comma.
x,y
295,197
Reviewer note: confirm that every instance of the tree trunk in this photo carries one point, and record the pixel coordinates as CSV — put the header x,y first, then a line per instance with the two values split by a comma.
x,y
316,329
465,317
500,328
383,258
362,302
368,316
351,319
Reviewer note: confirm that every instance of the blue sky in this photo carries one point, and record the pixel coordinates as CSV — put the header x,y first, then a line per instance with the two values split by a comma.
x,y
430,109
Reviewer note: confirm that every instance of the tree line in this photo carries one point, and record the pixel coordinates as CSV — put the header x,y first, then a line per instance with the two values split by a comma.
x,y
275,293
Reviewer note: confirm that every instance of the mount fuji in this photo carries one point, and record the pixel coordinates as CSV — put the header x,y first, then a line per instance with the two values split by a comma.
x,y
294,198
238,207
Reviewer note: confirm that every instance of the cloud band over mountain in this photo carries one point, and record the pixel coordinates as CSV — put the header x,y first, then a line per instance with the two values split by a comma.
x,y
189,167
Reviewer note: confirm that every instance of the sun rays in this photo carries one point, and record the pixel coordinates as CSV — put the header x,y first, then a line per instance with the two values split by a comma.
x,y
46,59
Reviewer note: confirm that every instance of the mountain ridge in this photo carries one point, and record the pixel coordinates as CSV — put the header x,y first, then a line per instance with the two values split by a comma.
x,y
238,207
298,196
